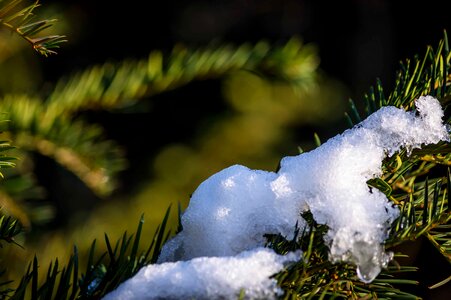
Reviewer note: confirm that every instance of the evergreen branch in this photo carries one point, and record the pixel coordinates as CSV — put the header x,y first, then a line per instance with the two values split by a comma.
x,y
418,77
423,203
6,161
49,128
73,144
9,229
316,277
441,240
101,275
437,154
20,21
115,85
20,186
425,211
94,169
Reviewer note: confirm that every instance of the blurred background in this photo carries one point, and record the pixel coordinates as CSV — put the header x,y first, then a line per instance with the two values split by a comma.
x,y
174,140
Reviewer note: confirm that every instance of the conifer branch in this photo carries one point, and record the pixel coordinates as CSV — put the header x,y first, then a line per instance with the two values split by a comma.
x,y
9,229
422,210
423,202
75,145
115,85
315,276
418,77
6,161
102,274
50,128
21,21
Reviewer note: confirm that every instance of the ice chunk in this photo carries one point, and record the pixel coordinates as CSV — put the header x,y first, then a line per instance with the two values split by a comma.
x,y
232,210
208,278
367,253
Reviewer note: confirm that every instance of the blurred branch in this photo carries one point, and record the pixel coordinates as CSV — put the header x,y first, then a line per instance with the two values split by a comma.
x,y
75,145
115,85
103,273
9,228
48,128
21,21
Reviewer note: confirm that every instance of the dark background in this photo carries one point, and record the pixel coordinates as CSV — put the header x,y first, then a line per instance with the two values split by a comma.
x,y
358,41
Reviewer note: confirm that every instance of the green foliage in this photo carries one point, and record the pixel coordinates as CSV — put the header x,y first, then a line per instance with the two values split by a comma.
x,y
423,202
407,180
20,20
102,274
78,146
418,182
9,228
116,85
52,126
429,75
5,160
315,277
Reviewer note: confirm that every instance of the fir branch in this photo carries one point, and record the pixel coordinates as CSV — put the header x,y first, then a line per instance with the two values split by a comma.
x,y
424,204
20,20
50,129
102,274
115,85
75,145
429,75
6,161
316,277
9,229
19,186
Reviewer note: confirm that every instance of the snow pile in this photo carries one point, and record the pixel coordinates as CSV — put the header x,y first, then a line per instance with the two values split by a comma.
x,y
208,278
231,211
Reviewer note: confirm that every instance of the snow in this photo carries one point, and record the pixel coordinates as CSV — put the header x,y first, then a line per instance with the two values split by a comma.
x,y
208,278
231,211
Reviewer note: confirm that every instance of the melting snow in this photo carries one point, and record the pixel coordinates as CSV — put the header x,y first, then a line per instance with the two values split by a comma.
x,y
231,211
208,278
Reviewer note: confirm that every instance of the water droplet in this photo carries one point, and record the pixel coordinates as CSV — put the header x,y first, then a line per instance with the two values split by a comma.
x,y
368,272
370,258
